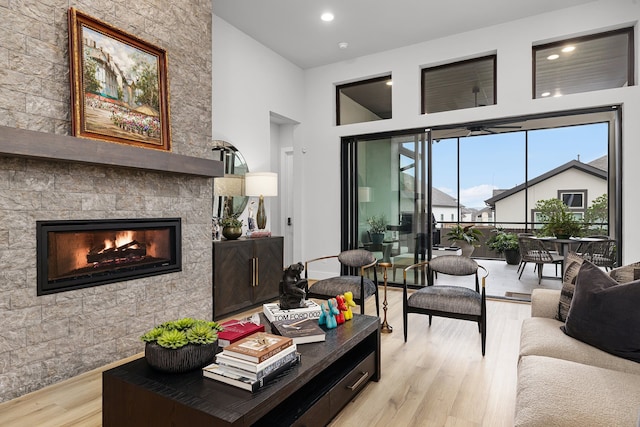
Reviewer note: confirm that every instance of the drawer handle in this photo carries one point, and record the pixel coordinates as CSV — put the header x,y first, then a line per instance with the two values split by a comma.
x,y
363,377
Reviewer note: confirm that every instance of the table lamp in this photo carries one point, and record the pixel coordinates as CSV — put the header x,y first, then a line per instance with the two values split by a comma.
x,y
261,184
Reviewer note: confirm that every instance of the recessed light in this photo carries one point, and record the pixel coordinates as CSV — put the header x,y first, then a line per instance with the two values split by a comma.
x,y
552,57
545,94
567,49
557,95
389,82
343,45
327,17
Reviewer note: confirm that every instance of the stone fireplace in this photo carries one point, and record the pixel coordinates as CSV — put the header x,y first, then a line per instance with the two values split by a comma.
x,y
79,254
47,175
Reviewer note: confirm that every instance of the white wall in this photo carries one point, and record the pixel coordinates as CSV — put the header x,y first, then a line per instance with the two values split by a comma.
x,y
250,82
242,99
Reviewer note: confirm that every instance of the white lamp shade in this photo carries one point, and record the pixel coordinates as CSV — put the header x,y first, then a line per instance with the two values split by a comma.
x,y
365,194
261,184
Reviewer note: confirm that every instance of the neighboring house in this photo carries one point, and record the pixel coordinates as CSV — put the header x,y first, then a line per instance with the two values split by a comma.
x,y
574,182
444,207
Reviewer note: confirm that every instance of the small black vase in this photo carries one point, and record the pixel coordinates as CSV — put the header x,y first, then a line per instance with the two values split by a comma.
x,y
183,359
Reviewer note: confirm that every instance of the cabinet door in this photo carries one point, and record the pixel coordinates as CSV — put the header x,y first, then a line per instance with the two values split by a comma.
x,y
232,276
268,252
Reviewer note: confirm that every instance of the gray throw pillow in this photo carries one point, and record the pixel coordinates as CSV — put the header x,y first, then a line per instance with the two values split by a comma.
x,y
604,313
572,265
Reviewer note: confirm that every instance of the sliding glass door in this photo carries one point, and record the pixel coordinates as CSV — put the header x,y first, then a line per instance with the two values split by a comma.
x,y
403,192
385,196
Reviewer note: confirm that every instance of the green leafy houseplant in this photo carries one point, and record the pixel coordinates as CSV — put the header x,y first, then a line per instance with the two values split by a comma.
x,y
503,241
506,243
181,345
558,219
377,224
178,333
464,234
231,221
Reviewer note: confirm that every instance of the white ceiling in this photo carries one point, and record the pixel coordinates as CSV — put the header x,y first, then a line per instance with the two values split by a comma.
x,y
293,28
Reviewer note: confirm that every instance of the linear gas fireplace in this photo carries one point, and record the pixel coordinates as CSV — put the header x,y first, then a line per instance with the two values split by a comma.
x,y
79,254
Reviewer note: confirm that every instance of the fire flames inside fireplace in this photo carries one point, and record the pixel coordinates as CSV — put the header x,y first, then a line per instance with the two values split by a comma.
x,y
76,254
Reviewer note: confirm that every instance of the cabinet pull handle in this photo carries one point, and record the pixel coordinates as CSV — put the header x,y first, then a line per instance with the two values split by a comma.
x,y
253,272
363,377
257,276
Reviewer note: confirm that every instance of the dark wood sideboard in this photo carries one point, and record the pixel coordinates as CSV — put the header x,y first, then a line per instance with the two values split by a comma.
x,y
246,273
329,375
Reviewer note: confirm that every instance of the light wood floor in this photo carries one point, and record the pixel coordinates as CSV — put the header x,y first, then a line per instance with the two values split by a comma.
x,y
438,378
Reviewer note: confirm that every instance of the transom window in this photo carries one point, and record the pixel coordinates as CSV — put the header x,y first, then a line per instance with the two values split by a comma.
x,y
364,101
584,64
464,84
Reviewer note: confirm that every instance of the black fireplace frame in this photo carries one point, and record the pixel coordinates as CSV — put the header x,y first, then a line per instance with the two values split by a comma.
x,y
45,287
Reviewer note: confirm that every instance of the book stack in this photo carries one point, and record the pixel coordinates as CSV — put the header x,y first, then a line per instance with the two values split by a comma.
x,y
252,362
273,313
234,330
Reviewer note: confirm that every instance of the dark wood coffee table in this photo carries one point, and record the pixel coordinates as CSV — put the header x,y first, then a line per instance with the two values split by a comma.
x,y
330,374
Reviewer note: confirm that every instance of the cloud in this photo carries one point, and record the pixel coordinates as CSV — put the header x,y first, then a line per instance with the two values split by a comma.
x,y
474,197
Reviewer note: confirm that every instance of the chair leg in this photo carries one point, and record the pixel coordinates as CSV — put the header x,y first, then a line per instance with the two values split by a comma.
x,y
540,273
521,271
404,323
484,334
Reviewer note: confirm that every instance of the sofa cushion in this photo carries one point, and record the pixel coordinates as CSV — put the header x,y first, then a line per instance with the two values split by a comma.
x,y
542,337
571,268
604,313
556,392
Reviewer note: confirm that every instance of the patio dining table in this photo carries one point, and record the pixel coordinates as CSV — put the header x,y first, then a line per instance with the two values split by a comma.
x,y
565,244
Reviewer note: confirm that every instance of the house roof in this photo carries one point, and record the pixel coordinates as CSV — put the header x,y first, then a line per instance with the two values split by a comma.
x,y
442,199
584,167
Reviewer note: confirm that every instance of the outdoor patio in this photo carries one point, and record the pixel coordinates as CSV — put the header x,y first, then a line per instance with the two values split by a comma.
x,y
502,281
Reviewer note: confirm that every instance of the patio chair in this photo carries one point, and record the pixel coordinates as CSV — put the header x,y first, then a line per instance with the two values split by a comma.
x,y
453,301
533,250
602,253
361,286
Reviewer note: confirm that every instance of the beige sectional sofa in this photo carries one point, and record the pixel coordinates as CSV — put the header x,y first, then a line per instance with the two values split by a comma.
x,y
565,382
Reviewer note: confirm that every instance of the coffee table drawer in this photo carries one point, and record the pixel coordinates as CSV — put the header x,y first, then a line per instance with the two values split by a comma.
x,y
351,384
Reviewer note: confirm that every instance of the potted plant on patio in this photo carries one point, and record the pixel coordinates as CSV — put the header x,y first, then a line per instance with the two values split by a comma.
x,y
558,219
377,227
506,243
181,345
466,238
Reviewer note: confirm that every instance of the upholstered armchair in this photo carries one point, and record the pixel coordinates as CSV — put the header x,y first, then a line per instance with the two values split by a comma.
x,y
357,261
453,301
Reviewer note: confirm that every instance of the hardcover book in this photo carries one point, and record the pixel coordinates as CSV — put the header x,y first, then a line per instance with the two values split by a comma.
x,y
218,373
235,330
301,331
273,312
258,347
273,364
224,358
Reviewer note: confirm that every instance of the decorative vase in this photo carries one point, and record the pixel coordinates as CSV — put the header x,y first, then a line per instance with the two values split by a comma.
x,y
512,256
183,359
466,247
377,238
232,233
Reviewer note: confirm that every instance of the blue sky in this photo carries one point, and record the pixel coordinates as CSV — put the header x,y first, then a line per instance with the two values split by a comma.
x,y
489,162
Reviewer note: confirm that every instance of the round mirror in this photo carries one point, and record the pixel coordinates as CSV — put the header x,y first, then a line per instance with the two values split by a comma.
x,y
228,190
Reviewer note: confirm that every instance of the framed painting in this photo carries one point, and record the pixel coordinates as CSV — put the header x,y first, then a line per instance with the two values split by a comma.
x,y
119,88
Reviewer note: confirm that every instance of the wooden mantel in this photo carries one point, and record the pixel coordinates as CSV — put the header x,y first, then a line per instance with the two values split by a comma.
x,y
47,146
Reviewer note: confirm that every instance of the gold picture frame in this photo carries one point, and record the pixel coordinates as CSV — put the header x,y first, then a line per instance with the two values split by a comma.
x,y
119,89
